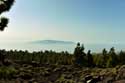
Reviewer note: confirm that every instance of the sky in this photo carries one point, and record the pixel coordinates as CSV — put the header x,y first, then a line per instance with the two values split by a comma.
x,y
87,21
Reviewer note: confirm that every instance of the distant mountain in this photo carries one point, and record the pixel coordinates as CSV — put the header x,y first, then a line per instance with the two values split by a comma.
x,y
53,42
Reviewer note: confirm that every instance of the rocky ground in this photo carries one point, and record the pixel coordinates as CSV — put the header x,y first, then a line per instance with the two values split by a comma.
x,y
34,72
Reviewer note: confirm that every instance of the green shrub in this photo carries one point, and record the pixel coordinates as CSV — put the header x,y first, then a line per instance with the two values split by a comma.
x,y
7,72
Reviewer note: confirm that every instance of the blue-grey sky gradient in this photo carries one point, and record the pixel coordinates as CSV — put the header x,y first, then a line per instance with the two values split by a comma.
x,y
88,21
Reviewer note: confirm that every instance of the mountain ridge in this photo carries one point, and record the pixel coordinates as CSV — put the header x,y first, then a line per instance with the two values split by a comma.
x,y
53,42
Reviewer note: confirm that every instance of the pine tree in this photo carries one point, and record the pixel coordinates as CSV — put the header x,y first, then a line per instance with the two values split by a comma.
x,y
79,55
113,57
90,59
5,5
122,58
104,56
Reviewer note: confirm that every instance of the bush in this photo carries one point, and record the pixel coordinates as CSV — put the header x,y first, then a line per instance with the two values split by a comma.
x,y
7,72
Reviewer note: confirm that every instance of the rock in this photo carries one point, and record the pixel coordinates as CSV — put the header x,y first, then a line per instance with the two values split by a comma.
x,y
35,64
32,81
68,76
88,77
19,80
53,77
121,73
120,81
108,80
96,79
25,76
91,79
7,62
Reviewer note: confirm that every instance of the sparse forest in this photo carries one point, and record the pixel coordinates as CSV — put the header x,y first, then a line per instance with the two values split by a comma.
x,y
61,67
106,59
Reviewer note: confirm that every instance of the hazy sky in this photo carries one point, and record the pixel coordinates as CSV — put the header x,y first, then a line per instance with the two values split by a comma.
x,y
88,21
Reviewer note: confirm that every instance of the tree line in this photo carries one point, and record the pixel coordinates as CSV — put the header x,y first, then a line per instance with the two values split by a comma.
x,y
104,59
79,57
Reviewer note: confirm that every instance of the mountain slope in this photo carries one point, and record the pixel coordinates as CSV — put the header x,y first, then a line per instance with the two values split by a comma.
x,y
53,42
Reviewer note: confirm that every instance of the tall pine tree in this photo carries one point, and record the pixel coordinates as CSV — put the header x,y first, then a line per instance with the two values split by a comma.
x,y
79,55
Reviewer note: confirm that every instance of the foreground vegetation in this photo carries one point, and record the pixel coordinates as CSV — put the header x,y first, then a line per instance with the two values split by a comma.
x,y
21,72
63,67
